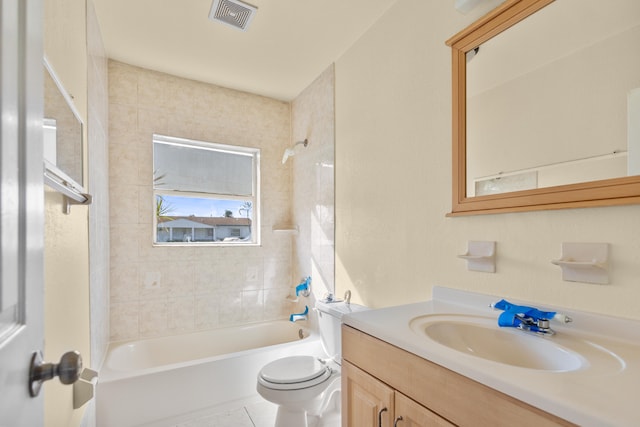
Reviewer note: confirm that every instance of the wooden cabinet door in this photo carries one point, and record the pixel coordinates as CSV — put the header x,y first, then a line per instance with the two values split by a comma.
x,y
366,401
412,414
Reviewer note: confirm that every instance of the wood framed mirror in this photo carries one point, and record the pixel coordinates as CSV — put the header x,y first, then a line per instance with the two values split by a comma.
x,y
525,128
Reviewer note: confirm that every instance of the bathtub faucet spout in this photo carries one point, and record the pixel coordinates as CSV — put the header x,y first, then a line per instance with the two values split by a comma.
x,y
299,316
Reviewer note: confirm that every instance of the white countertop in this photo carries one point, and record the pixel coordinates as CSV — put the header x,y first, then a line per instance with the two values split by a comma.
x,y
598,395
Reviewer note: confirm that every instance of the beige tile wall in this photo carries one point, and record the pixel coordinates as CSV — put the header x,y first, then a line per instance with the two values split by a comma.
x,y
312,114
159,291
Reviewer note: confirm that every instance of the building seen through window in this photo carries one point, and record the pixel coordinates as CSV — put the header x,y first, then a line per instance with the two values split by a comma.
x,y
205,193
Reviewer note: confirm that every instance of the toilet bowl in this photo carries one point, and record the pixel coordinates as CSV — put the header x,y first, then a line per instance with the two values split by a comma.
x,y
305,386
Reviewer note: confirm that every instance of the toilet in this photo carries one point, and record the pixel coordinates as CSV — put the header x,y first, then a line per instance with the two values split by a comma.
x,y
308,385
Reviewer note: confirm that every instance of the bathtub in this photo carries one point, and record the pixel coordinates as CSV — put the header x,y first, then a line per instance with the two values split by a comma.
x,y
149,380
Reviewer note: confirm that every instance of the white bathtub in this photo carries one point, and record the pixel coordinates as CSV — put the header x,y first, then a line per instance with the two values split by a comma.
x,y
149,380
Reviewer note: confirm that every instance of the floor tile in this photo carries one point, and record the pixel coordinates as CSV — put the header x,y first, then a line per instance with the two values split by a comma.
x,y
236,417
253,412
263,414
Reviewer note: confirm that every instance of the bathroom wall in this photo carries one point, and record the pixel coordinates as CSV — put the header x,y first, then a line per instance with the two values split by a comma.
x,y
98,183
393,186
199,287
312,116
66,315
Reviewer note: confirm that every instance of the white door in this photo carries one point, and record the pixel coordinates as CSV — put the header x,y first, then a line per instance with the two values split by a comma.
x,y
21,208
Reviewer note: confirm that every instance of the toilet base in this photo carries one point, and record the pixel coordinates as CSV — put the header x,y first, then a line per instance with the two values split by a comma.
x,y
330,419
288,417
323,411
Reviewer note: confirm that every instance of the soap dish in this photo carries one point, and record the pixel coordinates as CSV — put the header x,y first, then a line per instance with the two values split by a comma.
x,y
584,262
480,256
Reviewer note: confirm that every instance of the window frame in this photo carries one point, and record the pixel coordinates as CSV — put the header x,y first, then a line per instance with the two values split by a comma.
x,y
254,153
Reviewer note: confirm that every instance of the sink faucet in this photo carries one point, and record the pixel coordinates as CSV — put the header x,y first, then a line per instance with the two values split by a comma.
x,y
539,326
528,318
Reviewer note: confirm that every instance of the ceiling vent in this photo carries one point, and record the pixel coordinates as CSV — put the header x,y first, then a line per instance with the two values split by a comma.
x,y
234,13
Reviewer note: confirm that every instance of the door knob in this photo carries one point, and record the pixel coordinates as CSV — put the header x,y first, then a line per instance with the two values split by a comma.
x,y
68,370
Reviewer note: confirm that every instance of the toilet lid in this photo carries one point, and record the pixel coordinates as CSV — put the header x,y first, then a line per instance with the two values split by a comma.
x,y
294,369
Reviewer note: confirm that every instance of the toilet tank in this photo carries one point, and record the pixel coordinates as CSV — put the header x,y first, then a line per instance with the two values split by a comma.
x,y
330,322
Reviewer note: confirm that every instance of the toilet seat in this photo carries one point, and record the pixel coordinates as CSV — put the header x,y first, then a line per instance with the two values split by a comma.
x,y
294,372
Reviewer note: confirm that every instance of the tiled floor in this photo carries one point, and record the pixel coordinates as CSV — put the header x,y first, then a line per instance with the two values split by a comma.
x,y
254,412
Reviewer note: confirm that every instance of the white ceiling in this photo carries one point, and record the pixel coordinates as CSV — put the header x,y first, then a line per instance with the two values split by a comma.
x,y
287,45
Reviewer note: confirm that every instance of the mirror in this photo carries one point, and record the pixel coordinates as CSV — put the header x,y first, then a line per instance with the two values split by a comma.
x,y
544,93
62,139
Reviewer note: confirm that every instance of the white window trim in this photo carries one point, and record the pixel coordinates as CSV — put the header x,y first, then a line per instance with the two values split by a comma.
x,y
255,222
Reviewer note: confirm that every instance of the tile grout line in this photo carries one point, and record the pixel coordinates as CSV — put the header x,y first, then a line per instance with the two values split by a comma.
x,y
249,415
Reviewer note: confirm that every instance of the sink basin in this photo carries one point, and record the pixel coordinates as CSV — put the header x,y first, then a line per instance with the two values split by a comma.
x,y
482,337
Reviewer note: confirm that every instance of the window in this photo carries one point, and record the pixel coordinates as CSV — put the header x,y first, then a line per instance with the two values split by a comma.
x,y
205,193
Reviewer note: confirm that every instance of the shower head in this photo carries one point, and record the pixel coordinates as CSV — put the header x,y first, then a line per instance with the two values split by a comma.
x,y
287,153
291,152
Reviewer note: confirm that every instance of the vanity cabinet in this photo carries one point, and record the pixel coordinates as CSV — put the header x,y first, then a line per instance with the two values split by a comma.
x,y
377,375
368,402
415,415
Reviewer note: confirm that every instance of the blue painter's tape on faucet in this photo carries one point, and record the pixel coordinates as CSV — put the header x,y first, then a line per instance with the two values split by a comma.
x,y
300,316
303,287
512,313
